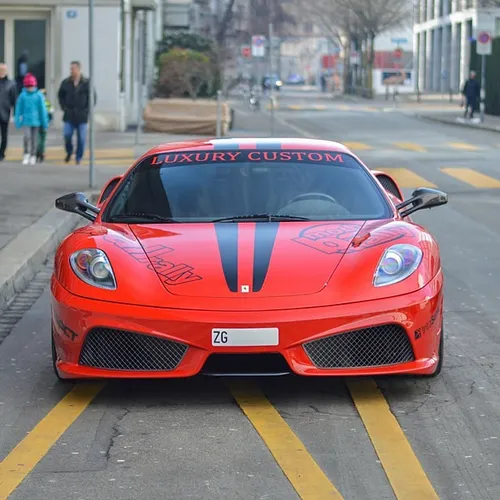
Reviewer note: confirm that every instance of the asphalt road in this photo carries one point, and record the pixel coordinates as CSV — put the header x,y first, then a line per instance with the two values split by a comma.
x,y
287,438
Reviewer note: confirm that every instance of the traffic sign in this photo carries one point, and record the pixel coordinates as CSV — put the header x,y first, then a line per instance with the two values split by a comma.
x,y
246,51
483,46
258,45
399,40
398,53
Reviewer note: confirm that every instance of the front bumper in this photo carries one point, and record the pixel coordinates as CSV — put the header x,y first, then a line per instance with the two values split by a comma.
x,y
309,339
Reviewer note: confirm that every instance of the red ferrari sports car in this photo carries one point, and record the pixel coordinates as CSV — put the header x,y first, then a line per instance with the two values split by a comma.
x,y
238,256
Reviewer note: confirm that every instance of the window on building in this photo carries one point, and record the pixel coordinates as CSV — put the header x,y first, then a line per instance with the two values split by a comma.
x,y
449,6
497,26
431,8
441,7
423,13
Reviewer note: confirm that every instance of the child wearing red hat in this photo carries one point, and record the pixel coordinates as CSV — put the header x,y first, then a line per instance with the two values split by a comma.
x,y
31,115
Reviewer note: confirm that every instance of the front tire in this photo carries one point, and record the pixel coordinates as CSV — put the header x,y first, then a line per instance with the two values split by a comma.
x,y
439,366
54,361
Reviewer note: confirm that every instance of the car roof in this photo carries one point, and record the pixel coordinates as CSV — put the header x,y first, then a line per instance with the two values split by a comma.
x,y
249,143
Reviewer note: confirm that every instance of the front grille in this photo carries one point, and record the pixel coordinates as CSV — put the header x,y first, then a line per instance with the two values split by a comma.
x,y
122,350
389,185
375,346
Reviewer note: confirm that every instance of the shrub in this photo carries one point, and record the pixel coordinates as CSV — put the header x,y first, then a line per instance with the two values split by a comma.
x,y
183,72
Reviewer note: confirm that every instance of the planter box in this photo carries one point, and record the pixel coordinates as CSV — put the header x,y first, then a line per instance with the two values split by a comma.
x,y
185,116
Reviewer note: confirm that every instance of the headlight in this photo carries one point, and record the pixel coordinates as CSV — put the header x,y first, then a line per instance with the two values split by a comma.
x,y
92,266
279,83
397,263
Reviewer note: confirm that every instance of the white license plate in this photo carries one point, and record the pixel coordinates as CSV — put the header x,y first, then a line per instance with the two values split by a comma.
x,y
244,337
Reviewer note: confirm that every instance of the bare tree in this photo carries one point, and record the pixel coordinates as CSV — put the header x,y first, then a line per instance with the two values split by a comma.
x,y
362,20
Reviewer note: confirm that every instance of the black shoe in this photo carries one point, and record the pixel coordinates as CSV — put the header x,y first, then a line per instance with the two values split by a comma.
x,y
41,158
68,158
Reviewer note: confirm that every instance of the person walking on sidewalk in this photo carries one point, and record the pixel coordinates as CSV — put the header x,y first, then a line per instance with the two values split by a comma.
x,y
74,100
31,115
8,95
42,134
472,94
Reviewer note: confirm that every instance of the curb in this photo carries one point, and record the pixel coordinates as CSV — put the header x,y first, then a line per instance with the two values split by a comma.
x,y
457,124
22,257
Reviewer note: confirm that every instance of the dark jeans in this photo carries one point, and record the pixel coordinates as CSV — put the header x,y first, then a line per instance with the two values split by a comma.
x,y
4,130
81,135
470,103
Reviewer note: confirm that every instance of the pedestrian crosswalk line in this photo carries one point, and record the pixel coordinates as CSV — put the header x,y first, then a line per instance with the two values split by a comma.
x,y
406,178
410,146
472,177
359,146
464,146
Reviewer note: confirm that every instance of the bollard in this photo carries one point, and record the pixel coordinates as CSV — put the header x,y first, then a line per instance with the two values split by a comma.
x,y
219,114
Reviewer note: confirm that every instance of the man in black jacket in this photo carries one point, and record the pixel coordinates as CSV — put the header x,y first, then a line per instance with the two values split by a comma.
x,y
472,94
8,95
74,100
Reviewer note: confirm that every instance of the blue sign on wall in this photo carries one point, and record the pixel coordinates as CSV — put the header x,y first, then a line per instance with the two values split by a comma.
x,y
71,14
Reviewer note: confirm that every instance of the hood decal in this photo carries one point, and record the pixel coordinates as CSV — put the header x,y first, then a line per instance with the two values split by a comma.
x,y
227,238
265,236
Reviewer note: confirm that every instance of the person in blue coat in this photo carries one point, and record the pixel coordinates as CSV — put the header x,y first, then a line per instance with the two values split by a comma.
x,y
31,115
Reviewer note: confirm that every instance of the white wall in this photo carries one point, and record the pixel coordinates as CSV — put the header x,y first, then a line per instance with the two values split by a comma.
x,y
74,46
383,42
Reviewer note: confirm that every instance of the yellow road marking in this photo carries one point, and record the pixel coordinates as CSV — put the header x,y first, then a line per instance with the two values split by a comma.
x,y
117,162
24,457
344,107
302,471
58,153
464,146
410,146
472,177
406,475
360,146
406,178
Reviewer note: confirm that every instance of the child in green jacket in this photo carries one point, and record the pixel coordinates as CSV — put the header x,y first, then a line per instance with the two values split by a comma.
x,y
42,134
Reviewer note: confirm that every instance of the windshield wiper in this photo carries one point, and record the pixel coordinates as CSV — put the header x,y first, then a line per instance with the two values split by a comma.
x,y
141,217
262,217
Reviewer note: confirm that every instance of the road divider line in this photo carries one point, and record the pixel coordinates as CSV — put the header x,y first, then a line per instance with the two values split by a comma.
x,y
305,475
406,178
26,455
463,145
472,177
359,146
406,476
411,146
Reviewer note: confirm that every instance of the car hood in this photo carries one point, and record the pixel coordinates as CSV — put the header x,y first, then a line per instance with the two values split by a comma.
x,y
242,259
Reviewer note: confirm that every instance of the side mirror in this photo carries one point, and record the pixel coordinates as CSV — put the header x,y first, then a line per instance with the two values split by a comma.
x,y
108,189
77,203
423,198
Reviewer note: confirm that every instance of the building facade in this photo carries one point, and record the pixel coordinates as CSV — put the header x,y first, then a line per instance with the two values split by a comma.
x,y
49,34
443,32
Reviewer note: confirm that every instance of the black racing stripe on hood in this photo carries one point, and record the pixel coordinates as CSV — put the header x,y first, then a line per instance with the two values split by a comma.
x,y
227,238
265,236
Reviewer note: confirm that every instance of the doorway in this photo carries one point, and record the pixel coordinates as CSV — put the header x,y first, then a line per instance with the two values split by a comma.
x,y
24,45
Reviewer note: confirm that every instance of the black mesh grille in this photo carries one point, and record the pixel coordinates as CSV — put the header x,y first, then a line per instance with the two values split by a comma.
x,y
389,185
376,346
122,350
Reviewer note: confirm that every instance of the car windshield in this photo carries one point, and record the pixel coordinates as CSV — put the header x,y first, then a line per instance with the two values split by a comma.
x,y
209,186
